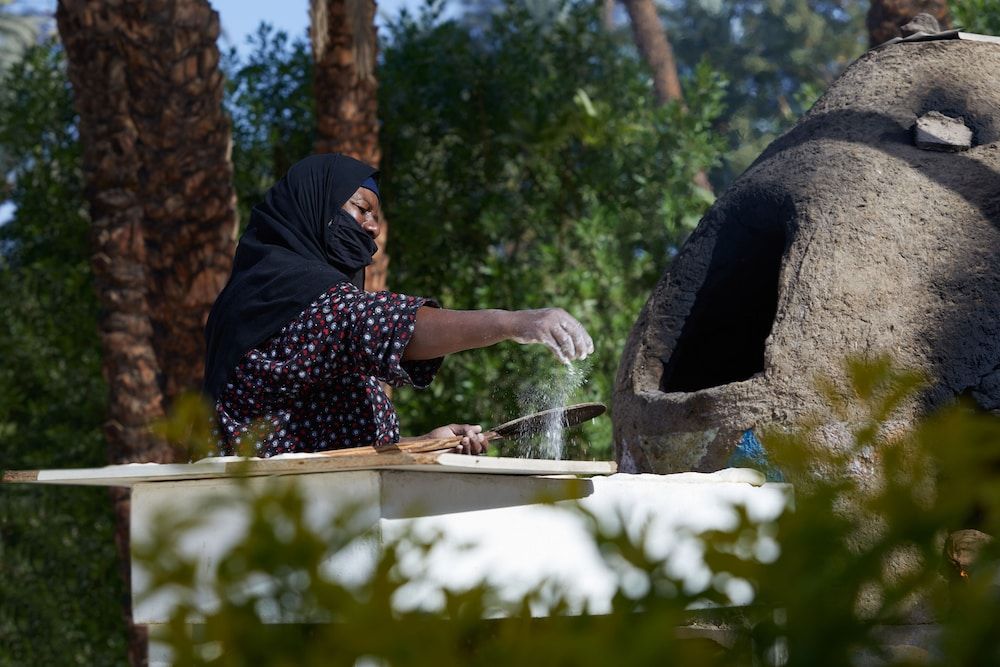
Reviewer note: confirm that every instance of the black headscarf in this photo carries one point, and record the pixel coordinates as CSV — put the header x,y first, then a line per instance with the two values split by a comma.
x,y
299,242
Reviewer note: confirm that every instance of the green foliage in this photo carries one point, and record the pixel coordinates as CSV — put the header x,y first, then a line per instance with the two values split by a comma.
x,y
190,427
865,549
778,56
980,16
526,165
59,582
269,98
855,553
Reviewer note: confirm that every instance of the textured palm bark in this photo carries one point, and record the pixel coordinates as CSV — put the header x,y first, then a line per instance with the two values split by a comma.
x,y
158,181
886,16
345,47
187,190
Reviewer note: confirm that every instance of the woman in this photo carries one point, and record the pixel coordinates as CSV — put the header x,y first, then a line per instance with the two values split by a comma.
x,y
295,342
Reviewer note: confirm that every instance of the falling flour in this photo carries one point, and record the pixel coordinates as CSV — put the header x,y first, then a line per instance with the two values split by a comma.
x,y
553,391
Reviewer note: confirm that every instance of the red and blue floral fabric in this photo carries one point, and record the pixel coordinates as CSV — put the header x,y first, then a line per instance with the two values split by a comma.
x,y
314,385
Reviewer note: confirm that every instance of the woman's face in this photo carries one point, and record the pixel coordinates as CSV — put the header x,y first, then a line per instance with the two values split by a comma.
x,y
363,206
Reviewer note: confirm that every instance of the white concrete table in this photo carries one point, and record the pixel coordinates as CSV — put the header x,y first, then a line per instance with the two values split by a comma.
x,y
508,522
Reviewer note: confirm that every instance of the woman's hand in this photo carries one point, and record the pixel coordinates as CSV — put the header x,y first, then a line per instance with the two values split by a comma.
x,y
473,440
554,328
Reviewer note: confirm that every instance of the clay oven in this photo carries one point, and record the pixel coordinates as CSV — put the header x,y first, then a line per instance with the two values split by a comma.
x,y
843,238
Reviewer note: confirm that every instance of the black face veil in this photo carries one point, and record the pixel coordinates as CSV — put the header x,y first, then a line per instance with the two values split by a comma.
x,y
298,243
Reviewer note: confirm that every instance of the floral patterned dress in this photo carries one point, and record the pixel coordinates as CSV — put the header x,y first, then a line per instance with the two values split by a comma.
x,y
315,384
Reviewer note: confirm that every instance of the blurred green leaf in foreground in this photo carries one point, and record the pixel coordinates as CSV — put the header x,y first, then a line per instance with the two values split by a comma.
x,y
854,557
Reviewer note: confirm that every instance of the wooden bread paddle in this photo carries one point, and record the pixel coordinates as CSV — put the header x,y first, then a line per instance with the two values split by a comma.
x,y
516,428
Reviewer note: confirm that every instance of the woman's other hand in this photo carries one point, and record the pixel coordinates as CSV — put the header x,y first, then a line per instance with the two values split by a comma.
x,y
554,328
473,440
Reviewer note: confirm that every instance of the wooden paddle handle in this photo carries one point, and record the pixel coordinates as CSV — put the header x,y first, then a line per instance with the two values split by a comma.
x,y
424,446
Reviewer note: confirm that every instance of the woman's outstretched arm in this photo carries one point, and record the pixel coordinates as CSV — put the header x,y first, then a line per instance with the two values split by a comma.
x,y
439,332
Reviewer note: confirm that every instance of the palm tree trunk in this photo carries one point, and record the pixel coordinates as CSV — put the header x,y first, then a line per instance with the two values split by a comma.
x,y
156,163
608,14
345,48
654,47
651,40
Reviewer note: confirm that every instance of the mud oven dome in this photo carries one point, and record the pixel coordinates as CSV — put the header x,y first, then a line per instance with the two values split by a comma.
x,y
843,238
